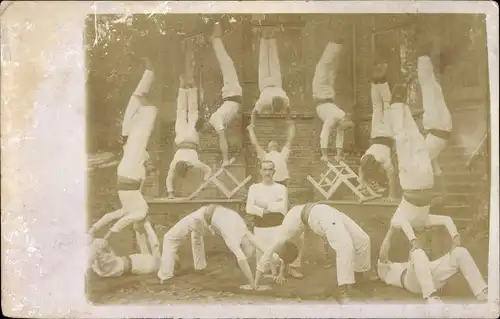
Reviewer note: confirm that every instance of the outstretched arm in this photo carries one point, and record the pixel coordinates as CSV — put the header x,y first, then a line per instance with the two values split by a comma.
x,y
106,219
253,139
253,116
441,220
152,239
290,135
265,259
407,229
392,181
386,246
170,179
224,148
339,142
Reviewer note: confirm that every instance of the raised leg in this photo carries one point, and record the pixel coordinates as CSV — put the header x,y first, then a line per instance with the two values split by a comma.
x,y
136,209
325,72
459,259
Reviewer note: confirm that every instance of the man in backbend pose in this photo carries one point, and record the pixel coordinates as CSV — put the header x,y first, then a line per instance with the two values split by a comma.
x,y
139,122
350,242
281,176
421,276
228,224
107,264
379,152
231,93
323,88
272,95
437,120
187,127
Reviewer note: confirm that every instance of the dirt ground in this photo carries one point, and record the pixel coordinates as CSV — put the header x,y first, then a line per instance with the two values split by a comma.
x,y
221,279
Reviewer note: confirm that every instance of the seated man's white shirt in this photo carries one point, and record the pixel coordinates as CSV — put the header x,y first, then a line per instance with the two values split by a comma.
x,y
132,163
280,160
414,163
436,114
274,195
382,154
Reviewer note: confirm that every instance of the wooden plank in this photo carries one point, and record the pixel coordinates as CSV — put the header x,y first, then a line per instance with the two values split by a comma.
x,y
185,200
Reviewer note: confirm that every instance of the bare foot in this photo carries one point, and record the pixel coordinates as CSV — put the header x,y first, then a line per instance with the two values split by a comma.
x,y
483,295
324,158
267,32
390,200
246,287
263,288
217,30
295,273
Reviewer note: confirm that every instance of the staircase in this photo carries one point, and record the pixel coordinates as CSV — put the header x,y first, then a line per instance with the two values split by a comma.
x,y
464,183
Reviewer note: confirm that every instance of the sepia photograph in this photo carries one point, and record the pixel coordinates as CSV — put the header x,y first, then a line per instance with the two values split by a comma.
x,y
251,157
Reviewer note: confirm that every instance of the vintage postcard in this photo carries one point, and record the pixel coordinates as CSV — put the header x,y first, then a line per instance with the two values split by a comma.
x,y
260,159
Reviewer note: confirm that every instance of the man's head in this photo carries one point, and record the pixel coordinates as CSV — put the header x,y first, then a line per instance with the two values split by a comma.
x,y
347,122
272,146
105,259
201,125
288,252
379,70
144,98
399,93
278,104
371,168
267,170
181,169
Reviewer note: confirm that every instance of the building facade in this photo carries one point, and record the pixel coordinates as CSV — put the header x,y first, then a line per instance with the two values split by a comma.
x,y
464,80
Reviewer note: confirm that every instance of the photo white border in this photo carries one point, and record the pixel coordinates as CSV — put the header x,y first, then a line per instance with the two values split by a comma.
x,y
44,162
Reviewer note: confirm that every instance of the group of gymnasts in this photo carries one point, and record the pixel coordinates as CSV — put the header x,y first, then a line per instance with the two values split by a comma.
x,y
278,238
